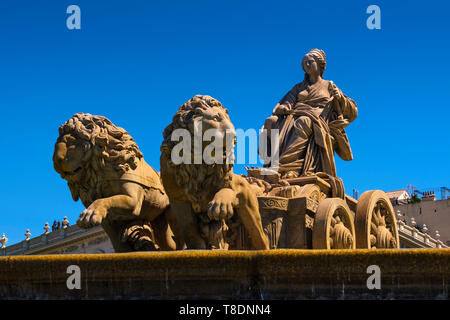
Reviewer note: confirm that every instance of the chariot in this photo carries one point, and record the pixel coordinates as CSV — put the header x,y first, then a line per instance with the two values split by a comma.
x,y
313,212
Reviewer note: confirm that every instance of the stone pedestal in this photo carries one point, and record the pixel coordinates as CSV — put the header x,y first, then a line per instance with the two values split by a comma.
x,y
275,274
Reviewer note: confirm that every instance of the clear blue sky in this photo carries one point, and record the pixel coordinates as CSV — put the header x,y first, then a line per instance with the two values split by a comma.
x,y
136,62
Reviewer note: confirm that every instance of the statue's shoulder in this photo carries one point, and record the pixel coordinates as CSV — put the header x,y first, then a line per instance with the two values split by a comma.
x,y
296,88
299,85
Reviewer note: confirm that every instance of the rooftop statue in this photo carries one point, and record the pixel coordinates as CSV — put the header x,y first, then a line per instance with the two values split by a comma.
x,y
104,168
311,119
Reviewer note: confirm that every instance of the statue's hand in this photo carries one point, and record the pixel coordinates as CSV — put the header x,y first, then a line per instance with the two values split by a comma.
x,y
281,109
93,215
335,91
222,206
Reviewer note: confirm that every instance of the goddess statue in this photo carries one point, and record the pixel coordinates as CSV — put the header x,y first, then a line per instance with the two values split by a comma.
x,y
311,119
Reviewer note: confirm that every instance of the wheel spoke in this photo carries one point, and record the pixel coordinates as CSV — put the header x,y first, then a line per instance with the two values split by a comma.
x,y
378,214
383,220
373,228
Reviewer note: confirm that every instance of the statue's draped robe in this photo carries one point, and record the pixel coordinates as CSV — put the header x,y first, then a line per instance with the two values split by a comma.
x,y
312,132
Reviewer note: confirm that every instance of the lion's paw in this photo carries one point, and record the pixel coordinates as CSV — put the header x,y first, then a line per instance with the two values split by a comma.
x,y
222,206
92,216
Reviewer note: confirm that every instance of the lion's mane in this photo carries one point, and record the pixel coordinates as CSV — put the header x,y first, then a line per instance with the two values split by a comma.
x,y
198,180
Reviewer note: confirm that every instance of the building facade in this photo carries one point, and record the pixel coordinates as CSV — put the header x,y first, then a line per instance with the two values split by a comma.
x,y
430,215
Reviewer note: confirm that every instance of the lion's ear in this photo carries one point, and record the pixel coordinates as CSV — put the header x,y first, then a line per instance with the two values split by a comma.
x,y
86,146
87,156
226,110
87,151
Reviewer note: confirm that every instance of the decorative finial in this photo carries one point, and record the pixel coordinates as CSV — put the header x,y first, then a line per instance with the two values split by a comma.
x,y
413,222
437,235
46,228
424,228
399,214
27,235
3,241
65,223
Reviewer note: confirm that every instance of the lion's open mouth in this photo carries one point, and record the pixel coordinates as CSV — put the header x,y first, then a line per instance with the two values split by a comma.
x,y
71,173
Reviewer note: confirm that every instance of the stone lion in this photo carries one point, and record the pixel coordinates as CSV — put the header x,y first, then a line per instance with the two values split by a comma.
x,y
105,169
204,197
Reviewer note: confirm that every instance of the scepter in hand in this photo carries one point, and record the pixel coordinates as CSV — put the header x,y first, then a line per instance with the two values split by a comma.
x,y
336,96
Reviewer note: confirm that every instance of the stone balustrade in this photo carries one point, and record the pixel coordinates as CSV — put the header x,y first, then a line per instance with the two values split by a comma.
x,y
413,237
51,242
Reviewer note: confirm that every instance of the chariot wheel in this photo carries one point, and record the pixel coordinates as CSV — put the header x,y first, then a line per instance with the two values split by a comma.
x,y
375,222
333,226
